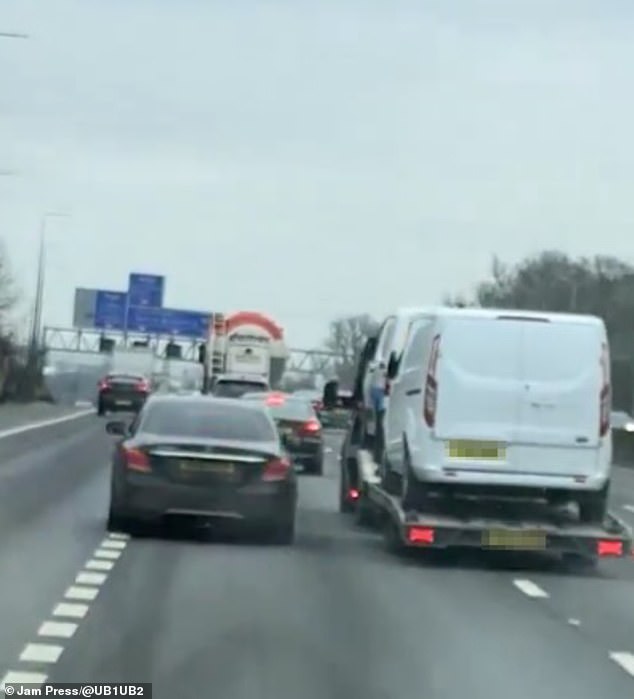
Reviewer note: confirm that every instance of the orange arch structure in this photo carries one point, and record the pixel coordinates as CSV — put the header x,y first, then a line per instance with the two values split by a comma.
x,y
259,320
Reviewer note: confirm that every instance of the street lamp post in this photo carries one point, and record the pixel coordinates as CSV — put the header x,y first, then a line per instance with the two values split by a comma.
x,y
39,283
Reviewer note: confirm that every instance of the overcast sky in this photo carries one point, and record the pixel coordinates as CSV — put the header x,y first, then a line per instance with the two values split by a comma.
x,y
310,158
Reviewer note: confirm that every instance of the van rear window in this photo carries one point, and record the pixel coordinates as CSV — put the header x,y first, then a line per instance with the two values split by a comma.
x,y
482,347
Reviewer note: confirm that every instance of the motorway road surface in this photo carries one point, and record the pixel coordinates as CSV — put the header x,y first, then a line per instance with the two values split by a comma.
x,y
334,617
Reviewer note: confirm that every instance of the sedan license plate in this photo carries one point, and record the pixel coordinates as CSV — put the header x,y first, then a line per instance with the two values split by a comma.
x,y
219,468
465,449
513,540
123,402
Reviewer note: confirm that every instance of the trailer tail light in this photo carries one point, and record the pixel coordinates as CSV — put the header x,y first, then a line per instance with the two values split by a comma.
x,y
420,535
276,470
137,460
610,548
431,385
604,396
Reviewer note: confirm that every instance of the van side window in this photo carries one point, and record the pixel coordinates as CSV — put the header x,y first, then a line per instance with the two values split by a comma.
x,y
386,338
418,338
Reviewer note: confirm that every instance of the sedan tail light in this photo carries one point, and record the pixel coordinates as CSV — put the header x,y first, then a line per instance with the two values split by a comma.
x,y
143,386
276,470
104,385
137,460
311,427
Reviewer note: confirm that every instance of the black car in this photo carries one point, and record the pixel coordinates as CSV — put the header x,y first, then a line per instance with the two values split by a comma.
x,y
122,392
299,427
211,458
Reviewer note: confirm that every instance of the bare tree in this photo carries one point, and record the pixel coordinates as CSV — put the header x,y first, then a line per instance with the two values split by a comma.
x,y
346,339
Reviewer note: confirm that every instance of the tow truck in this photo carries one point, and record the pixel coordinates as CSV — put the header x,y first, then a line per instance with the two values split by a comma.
x,y
470,523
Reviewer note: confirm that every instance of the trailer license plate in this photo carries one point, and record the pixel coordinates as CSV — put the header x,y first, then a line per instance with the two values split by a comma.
x,y
464,449
510,540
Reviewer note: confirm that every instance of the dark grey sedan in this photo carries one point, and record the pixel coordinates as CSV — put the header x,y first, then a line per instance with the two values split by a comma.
x,y
211,458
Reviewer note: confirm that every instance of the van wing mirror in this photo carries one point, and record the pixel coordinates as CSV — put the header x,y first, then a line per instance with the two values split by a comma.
x,y
330,395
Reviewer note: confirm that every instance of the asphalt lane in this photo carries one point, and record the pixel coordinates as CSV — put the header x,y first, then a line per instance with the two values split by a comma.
x,y
334,616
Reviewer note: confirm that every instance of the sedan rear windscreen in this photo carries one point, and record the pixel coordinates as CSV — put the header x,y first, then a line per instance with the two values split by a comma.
x,y
236,389
292,410
205,420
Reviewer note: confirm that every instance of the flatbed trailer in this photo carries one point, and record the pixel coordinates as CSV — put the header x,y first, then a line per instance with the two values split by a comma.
x,y
520,529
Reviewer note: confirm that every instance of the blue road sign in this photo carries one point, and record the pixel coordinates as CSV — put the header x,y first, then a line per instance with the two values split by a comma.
x,y
110,309
146,290
168,321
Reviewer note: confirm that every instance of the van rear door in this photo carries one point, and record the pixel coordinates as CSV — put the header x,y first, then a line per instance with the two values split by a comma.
x,y
562,383
479,379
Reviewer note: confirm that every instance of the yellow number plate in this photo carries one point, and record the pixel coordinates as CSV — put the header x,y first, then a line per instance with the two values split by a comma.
x,y
463,449
510,540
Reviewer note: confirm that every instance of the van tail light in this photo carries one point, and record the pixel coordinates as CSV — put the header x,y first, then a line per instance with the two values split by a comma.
x,y
431,385
137,460
276,470
143,386
310,428
605,394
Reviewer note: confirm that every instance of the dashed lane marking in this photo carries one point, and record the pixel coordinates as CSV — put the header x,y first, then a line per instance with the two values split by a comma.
x,y
530,589
107,553
41,653
78,592
94,564
75,606
45,423
91,578
34,678
57,629
628,508
624,660
74,611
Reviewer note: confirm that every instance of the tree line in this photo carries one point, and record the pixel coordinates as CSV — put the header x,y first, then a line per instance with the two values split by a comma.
x,y
20,372
549,281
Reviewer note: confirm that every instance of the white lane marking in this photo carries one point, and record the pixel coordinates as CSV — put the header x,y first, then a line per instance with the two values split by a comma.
x,y
41,653
530,589
92,564
574,622
57,629
629,508
107,553
13,677
81,593
119,537
91,578
113,544
75,611
625,660
45,423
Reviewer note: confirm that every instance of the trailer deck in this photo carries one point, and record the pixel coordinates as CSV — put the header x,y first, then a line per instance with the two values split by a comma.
x,y
511,527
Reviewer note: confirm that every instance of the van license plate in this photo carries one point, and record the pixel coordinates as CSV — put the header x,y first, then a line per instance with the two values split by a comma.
x,y
510,540
463,449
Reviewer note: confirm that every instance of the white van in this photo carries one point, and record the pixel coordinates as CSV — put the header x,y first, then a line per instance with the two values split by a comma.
x,y
502,403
